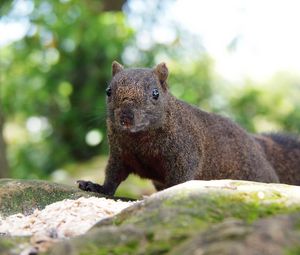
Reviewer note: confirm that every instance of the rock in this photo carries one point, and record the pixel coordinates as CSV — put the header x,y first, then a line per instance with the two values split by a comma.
x,y
199,217
24,196
107,240
272,236
14,245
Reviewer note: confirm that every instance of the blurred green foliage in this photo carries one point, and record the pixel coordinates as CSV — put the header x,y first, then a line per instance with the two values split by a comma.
x,y
60,70
55,78
273,106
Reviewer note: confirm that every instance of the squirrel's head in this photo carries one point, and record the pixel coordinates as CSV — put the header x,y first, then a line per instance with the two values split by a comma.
x,y
137,98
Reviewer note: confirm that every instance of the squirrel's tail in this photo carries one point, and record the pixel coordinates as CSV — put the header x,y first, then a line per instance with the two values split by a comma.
x,y
283,152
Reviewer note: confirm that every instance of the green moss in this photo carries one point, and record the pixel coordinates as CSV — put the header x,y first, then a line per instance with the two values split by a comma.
x,y
9,244
245,206
293,251
297,224
162,231
129,248
238,208
159,247
168,224
6,244
23,196
162,222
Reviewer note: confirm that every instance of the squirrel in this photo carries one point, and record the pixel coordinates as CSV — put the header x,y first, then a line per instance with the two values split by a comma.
x,y
159,137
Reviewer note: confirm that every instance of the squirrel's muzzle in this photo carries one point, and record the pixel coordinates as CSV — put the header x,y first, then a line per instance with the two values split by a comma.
x,y
127,118
130,120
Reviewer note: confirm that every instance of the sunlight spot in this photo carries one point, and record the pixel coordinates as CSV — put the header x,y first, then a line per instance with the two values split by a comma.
x,y
68,45
59,175
261,195
52,56
65,89
94,137
38,128
36,124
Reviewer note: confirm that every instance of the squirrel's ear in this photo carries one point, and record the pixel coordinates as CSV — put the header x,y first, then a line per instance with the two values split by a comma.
x,y
162,72
116,67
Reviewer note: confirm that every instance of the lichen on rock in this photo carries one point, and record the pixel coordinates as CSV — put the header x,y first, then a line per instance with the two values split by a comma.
x,y
169,218
210,217
24,196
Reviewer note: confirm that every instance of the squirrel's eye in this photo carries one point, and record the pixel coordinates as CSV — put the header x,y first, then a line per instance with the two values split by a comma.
x,y
155,93
108,92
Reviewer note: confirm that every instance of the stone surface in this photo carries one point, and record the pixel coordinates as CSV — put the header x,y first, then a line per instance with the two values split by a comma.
x,y
14,245
23,196
197,217
272,236
225,217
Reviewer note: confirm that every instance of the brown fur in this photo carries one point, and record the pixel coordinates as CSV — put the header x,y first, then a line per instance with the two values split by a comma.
x,y
283,152
170,142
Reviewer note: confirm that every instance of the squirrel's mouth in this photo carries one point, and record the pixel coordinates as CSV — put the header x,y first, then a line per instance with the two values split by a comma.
x,y
133,127
127,119
131,121
126,125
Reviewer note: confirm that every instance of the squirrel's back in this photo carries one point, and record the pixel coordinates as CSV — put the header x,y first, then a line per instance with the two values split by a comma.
x,y
226,150
283,152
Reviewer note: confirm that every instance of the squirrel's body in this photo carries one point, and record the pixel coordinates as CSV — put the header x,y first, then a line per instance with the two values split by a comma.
x,y
156,136
283,153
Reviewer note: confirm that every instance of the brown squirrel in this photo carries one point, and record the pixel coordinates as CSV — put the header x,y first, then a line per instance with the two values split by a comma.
x,y
156,136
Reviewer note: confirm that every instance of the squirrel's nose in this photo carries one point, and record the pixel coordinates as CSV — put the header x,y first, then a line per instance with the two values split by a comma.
x,y
126,118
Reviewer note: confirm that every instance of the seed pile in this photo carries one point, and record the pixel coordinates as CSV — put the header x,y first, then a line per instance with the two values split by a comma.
x,y
63,219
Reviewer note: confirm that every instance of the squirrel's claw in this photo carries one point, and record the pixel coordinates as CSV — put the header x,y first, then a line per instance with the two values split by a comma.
x,y
89,186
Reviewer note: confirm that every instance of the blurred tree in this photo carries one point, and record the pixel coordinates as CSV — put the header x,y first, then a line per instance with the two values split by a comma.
x,y
272,106
5,6
4,170
55,79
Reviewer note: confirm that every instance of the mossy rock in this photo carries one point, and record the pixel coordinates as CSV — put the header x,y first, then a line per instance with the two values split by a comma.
x,y
270,236
24,196
163,222
13,245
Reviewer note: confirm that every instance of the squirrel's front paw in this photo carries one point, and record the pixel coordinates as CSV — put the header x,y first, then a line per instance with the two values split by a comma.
x,y
90,186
